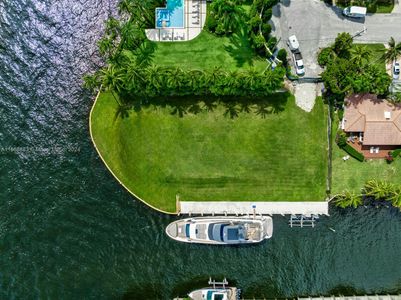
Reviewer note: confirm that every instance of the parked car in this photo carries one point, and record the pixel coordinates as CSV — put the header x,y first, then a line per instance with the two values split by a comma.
x,y
299,64
293,43
396,70
355,11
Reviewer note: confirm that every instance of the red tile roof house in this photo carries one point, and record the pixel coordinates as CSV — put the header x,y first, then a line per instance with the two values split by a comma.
x,y
373,125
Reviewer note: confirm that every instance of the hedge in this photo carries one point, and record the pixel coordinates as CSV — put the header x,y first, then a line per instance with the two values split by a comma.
x,y
355,154
396,153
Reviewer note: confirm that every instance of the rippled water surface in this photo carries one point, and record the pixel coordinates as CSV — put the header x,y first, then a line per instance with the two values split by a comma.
x,y
69,231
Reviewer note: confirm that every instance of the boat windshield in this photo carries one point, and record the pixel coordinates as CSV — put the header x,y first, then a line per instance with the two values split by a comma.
x,y
187,226
226,232
216,232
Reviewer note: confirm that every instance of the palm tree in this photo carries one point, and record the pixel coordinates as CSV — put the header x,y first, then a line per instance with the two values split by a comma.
x,y
395,198
155,77
91,82
228,14
133,76
112,80
360,55
393,51
105,45
175,78
379,189
251,79
348,199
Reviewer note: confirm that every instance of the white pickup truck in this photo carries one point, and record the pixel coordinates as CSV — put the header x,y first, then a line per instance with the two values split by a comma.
x,y
299,64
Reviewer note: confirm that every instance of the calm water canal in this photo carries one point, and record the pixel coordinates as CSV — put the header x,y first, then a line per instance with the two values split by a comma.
x,y
69,231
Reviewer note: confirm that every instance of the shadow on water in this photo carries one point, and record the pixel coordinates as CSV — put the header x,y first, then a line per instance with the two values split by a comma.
x,y
263,289
143,291
190,105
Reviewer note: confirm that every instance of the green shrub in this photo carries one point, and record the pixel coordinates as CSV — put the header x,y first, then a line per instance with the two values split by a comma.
x,y
211,23
355,154
272,43
266,29
396,153
267,15
282,55
341,139
325,56
258,40
340,114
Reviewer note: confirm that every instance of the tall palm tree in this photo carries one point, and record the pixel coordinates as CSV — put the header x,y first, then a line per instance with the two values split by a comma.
x,y
112,80
393,51
155,76
175,78
348,199
360,55
395,198
228,14
91,82
133,76
379,189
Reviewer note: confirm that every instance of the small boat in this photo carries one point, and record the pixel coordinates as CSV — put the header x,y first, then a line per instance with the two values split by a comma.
x,y
218,291
221,230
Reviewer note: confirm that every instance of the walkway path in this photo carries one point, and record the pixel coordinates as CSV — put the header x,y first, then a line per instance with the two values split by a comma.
x,y
265,208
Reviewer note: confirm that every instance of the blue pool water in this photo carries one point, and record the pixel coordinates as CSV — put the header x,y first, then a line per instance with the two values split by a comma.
x,y
171,16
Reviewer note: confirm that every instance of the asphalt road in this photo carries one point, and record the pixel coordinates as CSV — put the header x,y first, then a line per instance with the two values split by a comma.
x,y
316,25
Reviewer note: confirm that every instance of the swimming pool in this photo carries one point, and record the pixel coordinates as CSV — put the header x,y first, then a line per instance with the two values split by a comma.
x,y
171,16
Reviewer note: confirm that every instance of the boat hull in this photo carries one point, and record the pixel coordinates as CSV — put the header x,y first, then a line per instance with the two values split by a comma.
x,y
197,230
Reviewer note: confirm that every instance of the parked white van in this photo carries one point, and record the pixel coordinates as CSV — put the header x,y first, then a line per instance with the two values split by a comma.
x,y
355,11
293,43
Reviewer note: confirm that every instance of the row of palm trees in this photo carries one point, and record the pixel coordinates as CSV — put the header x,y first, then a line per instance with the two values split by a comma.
x,y
155,81
376,190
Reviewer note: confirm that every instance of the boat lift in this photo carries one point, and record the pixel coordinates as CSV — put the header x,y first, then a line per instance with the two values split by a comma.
x,y
303,221
218,284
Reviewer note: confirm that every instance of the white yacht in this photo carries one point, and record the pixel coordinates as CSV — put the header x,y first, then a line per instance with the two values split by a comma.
x,y
221,230
219,291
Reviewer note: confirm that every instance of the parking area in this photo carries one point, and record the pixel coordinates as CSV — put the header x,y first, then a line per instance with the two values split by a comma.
x,y
316,25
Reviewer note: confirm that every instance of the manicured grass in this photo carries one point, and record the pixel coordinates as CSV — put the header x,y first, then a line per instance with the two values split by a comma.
x,y
352,174
208,51
210,156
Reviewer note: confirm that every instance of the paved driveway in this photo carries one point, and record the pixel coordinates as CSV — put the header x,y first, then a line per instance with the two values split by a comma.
x,y
316,25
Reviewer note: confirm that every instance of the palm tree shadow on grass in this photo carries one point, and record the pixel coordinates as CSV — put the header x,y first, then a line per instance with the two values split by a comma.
x,y
122,112
240,49
193,105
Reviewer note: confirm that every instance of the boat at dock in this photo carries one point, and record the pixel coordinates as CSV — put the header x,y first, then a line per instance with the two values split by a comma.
x,y
217,291
221,230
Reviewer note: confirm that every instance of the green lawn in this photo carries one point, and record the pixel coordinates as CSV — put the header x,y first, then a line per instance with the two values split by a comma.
x,y
208,51
210,156
352,174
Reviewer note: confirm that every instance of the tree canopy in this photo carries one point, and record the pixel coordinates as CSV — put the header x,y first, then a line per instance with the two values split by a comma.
x,y
348,69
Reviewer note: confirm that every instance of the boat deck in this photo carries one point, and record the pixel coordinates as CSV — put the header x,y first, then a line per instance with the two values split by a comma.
x,y
232,294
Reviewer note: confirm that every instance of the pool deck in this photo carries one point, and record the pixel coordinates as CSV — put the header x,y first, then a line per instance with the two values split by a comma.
x,y
194,20
264,208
